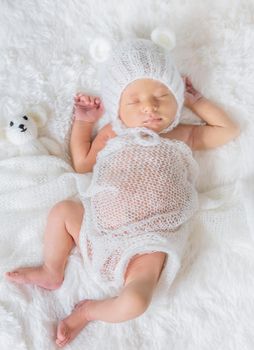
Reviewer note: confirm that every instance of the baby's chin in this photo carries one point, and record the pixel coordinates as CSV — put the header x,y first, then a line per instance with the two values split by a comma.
x,y
158,127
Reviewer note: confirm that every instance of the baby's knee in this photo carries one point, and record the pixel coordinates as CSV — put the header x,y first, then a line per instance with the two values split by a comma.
x,y
64,208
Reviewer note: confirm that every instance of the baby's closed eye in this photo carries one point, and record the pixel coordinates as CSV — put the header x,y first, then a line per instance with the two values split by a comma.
x,y
162,95
136,101
133,102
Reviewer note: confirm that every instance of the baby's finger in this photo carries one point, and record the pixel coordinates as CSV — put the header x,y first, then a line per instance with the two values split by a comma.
x,y
184,78
101,108
92,100
188,81
76,98
97,100
85,99
78,95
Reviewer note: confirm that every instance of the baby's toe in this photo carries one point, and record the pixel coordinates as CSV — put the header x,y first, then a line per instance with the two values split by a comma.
x,y
15,276
12,274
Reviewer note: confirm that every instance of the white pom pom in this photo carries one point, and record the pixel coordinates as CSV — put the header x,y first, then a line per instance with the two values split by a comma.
x,y
164,37
100,49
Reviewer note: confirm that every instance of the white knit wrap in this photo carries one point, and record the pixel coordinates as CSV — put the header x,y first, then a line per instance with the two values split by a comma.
x,y
140,198
134,59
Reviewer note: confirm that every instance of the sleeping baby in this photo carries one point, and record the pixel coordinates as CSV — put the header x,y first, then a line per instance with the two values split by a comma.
x,y
132,224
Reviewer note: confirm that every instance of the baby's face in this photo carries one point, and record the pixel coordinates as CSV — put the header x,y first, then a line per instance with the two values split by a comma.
x,y
147,103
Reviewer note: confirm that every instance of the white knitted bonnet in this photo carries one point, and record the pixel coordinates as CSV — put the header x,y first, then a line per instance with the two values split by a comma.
x,y
133,59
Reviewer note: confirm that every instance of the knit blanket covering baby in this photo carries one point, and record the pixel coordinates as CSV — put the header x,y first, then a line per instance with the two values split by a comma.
x,y
140,200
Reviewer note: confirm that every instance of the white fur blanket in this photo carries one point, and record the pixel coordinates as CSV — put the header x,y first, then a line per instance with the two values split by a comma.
x,y
44,61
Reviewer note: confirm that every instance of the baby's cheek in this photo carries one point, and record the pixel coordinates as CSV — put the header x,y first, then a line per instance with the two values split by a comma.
x,y
170,107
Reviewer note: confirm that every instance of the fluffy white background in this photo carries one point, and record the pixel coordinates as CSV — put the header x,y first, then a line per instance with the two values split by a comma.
x,y
44,60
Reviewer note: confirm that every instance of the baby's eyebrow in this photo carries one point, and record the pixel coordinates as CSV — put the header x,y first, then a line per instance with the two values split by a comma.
x,y
134,94
162,90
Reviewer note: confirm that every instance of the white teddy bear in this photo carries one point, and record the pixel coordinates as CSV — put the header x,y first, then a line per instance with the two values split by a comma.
x,y
19,135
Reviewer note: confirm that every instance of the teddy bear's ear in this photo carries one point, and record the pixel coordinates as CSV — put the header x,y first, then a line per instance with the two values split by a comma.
x,y
10,107
39,115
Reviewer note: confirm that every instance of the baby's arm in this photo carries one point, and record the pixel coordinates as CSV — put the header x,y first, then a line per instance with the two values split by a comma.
x,y
219,128
83,150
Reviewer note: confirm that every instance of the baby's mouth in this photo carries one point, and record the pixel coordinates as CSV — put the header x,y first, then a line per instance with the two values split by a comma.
x,y
153,120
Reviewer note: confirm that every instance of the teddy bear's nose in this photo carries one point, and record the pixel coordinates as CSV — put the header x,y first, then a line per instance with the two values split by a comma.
x,y
21,126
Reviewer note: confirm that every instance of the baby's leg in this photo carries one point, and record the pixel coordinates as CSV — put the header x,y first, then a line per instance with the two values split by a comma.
x,y
62,230
141,278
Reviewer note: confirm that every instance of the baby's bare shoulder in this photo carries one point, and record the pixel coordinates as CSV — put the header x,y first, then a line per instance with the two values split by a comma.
x,y
106,131
183,132
102,136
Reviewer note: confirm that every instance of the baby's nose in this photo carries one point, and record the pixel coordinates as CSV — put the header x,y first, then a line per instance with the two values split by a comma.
x,y
149,107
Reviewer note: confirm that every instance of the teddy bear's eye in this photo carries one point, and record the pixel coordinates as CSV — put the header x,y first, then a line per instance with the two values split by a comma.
x,y
11,123
25,117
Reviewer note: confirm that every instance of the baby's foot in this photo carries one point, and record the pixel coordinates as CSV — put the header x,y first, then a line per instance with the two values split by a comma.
x,y
40,276
87,108
70,327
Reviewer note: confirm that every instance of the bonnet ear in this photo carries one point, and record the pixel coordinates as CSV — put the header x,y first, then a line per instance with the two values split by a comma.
x,y
100,49
164,37
39,115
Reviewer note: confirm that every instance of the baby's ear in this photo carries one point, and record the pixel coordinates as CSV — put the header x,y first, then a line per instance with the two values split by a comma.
x,y
39,115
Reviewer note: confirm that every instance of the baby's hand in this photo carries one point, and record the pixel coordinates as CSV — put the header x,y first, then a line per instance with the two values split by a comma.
x,y
191,95
87,108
